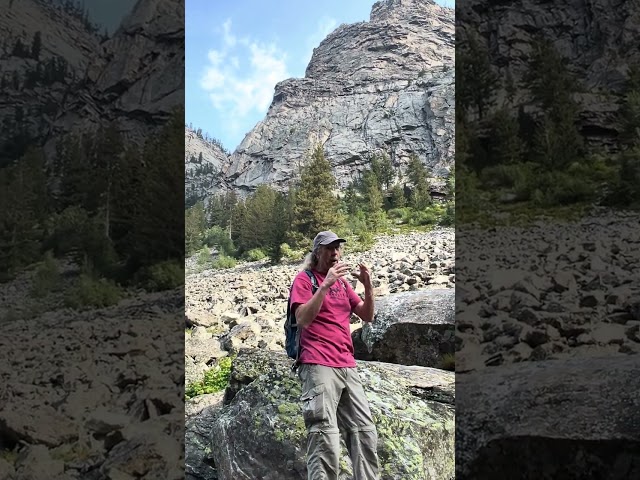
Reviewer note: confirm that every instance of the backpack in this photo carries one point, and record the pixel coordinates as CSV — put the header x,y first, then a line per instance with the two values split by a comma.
x,y
292,335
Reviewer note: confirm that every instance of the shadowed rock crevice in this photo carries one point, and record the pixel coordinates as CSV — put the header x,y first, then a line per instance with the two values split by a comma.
x,y
530,458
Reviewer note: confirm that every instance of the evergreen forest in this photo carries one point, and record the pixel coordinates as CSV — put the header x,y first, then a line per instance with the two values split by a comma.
x,y
281,225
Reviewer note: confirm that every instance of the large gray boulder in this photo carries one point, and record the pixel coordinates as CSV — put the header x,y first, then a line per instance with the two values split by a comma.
x,y
568,419
410,328
260,432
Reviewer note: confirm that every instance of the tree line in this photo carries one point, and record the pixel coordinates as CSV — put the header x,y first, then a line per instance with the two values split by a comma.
x,y
270,223
112,206
538,155
205,137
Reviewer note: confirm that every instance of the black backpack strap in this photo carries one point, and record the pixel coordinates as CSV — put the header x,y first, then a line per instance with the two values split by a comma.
x,y
314,287
314,281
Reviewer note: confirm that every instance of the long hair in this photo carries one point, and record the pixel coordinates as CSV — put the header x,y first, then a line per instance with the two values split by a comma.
x,y
310,261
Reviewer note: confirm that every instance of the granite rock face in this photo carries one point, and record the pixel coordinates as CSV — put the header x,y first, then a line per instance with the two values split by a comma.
x,y
203,162
382,86
80,80
599,46
139,78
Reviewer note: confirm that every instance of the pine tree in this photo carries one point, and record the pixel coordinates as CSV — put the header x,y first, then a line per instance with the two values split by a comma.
x,y
316,207
159,228
351,200
71,167
630,110
558,142
255,231
24,195
417,173
506,146
474,75
398,200
105,162
375,217
194,227
387,173
36,45
278,224
127,188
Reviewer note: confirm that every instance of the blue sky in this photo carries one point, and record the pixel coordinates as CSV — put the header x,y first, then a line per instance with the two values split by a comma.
x,y
236,52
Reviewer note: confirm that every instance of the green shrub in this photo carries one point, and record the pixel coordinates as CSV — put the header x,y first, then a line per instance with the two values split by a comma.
x,y
223,262
254,255
218,238
366,239
93,292
560,188
289,253
507,175
204,256
428,217
67,229
399,212
449,217
163,276
215,379
47,277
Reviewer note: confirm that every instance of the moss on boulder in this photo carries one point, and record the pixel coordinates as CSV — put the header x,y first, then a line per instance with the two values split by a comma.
x,y
260,432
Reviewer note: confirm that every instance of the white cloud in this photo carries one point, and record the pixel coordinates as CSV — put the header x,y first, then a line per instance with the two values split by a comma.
x,y
324,27
240,77
229,38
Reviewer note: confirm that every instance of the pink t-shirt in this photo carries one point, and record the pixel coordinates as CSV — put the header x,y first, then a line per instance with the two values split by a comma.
x,y
327,340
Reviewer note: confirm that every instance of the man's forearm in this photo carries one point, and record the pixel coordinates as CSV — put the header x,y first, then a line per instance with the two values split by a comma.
x,y
305,314
367,308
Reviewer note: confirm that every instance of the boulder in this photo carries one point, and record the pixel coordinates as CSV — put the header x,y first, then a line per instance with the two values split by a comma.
x,y
569,419
260,433
410,328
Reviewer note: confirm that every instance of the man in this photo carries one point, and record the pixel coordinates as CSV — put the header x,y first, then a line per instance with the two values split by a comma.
x,y
333,399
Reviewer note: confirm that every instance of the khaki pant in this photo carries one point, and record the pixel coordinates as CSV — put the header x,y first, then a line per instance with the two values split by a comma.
x,y
334,403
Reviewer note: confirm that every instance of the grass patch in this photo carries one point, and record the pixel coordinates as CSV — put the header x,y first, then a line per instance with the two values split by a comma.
x,y
215,379
448,362
93,292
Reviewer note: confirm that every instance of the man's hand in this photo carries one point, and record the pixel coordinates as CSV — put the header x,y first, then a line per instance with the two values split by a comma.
x,y
363,276
334,273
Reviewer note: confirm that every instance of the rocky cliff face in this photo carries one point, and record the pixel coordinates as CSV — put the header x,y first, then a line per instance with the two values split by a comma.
x,y
597,50
139,78
386,85
203,162
79,80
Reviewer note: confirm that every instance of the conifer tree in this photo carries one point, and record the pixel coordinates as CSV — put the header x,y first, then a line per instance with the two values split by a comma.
x,y
476,78
316,207
375,215
255,230
506,145
417,173
557,142
398,200
159,229
279,222
383,169
194,226
630,110
36,45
